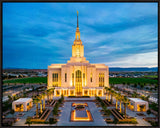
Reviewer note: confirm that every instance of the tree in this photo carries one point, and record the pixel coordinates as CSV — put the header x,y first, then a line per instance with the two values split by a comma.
x,y
142,85
40,100
51,120
134,95
112,94
36,101
10,98
116,96
55,110
135,85
148,111
32,88
120,102
43,97
48,94
125,102
109,90
107,93
108,112
147,98
12,112
24,95
28,121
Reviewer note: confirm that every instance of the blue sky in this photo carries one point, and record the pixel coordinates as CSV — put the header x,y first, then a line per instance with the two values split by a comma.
x,y
36,35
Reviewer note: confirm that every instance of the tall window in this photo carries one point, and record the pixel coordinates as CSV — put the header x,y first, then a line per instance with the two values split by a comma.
x,y
72,79
65,77
83,78
91,77
55,79
101,79
78,84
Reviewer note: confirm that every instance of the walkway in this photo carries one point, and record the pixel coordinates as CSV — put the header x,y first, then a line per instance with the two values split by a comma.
x,y
66,111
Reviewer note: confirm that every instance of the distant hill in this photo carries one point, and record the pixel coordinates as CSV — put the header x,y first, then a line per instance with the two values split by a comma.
x,y
111,69
117,69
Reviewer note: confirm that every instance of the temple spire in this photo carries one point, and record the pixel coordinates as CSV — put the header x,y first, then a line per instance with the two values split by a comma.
x,y
77,30
77,19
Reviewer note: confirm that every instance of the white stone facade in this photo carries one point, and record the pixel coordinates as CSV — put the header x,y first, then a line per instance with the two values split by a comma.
x,y
78,73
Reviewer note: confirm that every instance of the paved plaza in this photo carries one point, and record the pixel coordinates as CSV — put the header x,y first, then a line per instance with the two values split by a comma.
x,y
64,119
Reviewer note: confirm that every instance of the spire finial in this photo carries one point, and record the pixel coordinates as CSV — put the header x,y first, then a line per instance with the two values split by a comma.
x,y
77,19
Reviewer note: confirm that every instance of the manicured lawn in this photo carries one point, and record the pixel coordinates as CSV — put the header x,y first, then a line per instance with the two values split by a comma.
x,y
151,76
28,80
131,80
111,80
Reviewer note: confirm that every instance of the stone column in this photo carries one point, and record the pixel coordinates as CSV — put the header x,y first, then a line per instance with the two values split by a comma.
x,y
102,92
91,92
69,92
135,106
60,92
24,106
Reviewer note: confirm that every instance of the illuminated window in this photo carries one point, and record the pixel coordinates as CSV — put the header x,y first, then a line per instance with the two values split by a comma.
x,y
91,77
83,78
55,79
72,79
65,77
78,83
101,79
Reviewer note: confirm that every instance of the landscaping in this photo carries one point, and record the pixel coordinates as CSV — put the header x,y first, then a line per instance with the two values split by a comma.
x,y
132,80
111,80
27,80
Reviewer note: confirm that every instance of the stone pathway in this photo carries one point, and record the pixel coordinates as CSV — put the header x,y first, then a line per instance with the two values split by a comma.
x,y
65,116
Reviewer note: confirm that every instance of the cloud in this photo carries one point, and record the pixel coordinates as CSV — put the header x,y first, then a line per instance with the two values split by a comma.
x,y
137,60
38,34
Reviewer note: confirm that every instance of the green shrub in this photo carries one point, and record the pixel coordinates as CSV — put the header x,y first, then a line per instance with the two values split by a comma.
x,y
52,121
148,111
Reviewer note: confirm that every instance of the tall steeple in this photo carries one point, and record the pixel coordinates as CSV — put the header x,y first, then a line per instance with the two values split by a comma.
x,y
77,19
77,30
77,48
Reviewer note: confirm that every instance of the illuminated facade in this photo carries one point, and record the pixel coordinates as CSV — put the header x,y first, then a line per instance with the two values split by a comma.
x,y
22,104
78,77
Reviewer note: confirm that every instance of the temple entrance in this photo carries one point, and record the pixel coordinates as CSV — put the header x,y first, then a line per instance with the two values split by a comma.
x,y
78,83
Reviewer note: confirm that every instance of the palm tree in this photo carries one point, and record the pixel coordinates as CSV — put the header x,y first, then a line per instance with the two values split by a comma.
x,y
52,90
112,94
36,101
116,96
108,112
134,95
107,93
12,112
47,91
40,99
50,94
43,96
28,121
32,88
125,102
10,98
120,97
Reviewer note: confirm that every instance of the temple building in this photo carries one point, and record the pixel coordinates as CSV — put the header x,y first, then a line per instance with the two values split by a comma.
x,y
78,77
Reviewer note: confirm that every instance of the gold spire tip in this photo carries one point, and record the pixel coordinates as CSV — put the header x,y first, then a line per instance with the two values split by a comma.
x,y
77,13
